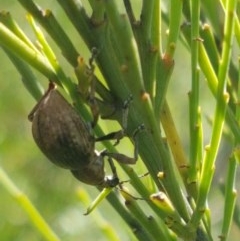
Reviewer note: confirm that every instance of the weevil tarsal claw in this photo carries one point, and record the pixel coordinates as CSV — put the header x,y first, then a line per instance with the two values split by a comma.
x,y
93,57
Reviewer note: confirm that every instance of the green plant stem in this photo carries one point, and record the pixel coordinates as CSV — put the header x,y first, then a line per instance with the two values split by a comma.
x,y
8,21
29,208
210,46
148,222
22,50
165,63
213,82
143,105
177,148
48,21
230,198
77,14
52,59
98,12
213,15
147,38
139,231
151,145
129,55
208,69
104,225
164,70
54,29
123,47
144,192
174,141
194,123
61,78
174,27
28,78
230,209
222,99
236,19
129,10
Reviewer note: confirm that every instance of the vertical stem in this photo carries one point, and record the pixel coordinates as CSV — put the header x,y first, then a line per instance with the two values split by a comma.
x,y
219,117
174,27
230,197
230,191
194,97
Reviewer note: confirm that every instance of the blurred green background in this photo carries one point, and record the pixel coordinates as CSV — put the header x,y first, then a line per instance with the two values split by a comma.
x,y
53,190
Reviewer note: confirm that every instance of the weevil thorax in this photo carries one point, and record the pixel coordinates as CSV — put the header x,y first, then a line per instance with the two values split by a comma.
x,y
93,173
61,133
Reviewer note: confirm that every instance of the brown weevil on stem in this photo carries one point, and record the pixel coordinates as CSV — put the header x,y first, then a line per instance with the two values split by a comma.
x,y
68,141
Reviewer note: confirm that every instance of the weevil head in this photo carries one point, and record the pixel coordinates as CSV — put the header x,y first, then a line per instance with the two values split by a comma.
x,y
110,181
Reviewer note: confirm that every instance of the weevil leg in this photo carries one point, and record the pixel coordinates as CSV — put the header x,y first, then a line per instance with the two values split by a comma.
x,y
113,180
94,55
135,140
125,110
139,176
122,158
91,99
118,135
93,103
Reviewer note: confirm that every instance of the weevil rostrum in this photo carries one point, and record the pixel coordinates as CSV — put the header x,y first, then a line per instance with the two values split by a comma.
x,y
68,141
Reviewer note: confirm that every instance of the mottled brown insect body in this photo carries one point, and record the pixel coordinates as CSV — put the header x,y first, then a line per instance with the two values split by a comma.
x,y
65,138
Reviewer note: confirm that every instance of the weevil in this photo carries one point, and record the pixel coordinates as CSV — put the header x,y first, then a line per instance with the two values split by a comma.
x,y
67,140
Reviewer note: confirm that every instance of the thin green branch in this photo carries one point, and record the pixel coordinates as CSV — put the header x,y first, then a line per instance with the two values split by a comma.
x,y
29,208
48,21
78,16
22,50
139,231
28,78
230,198
212,80
9,22
174,142
219,117
210,46
143,112
98,12
148,222
194,96
174,27
61,78
164,69
122,30
129,10
147,37
103,224
236,19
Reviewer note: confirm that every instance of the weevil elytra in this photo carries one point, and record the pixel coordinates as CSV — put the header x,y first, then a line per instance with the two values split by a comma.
x,y
68,141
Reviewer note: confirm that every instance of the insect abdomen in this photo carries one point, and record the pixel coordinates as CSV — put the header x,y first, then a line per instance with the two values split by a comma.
x,y
61,133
